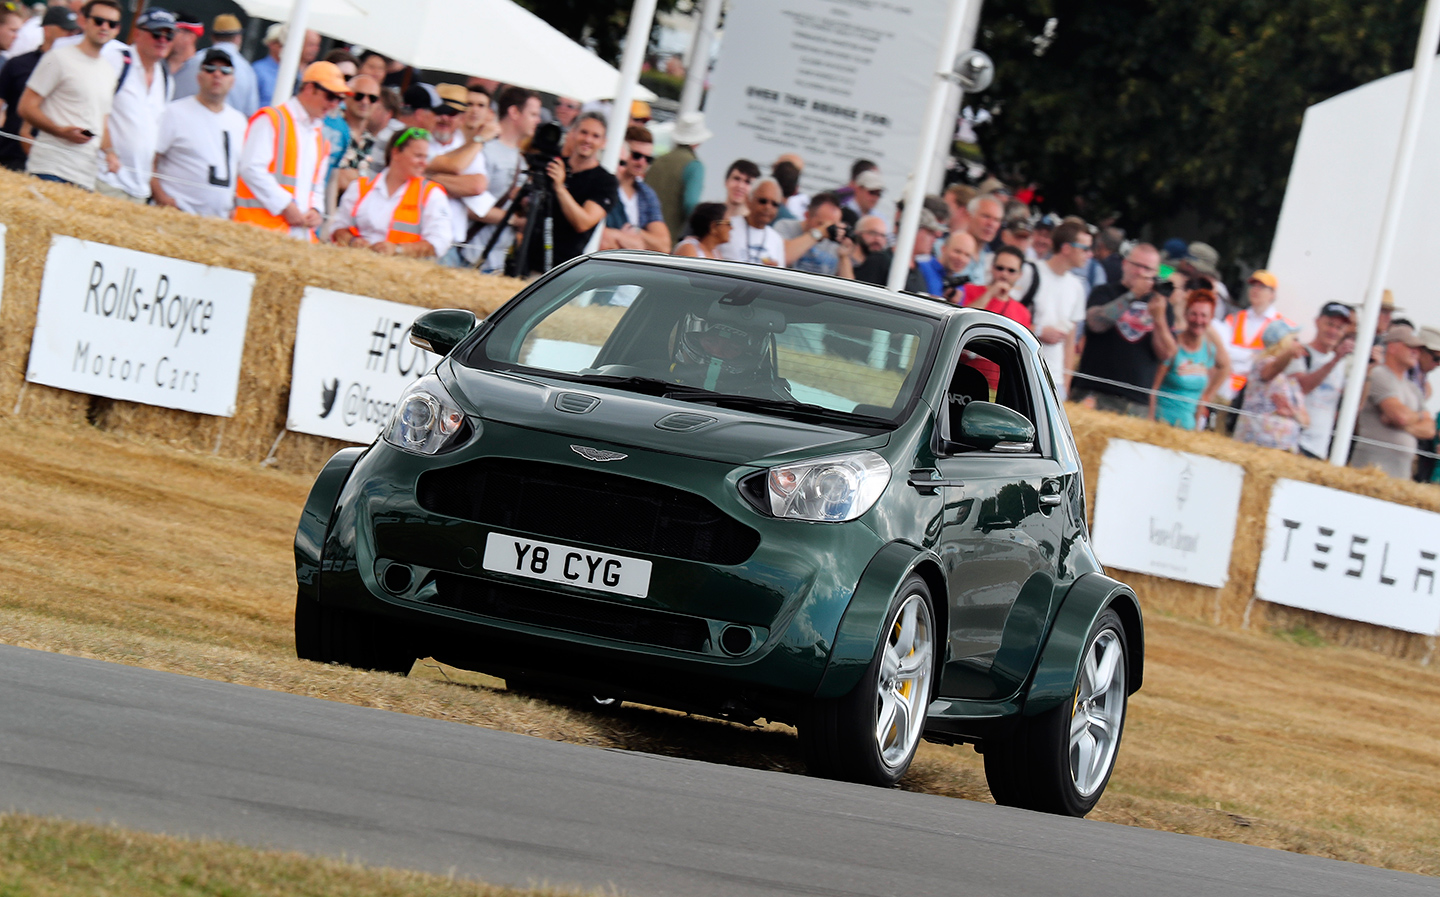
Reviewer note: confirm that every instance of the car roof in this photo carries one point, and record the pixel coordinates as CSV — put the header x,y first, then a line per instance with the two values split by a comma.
x,y
802,280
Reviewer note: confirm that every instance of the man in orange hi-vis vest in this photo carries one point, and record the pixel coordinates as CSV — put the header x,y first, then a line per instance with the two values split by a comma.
x,y
283,165
1242,329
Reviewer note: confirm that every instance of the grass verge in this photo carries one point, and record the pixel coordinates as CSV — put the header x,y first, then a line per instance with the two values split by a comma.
x,y
144,555
54,858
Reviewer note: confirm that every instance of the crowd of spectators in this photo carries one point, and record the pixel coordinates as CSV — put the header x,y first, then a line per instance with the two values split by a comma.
x,y
365,155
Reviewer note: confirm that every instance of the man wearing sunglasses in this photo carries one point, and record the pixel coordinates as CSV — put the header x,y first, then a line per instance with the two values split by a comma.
x,y
1005,267
67,100
636,221
198,151
140,97
283,165
228,34
752,239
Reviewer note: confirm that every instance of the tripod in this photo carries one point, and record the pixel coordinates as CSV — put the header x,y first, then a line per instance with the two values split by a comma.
x,y
542,209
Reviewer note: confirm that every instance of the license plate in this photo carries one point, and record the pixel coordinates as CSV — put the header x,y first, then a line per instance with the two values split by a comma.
x,y
565,564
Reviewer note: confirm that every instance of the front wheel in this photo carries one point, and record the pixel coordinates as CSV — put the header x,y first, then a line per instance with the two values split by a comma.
x,y
1059,761
870,735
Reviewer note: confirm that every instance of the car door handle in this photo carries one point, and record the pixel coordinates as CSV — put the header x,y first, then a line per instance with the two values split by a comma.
x,y
1050,496
928,479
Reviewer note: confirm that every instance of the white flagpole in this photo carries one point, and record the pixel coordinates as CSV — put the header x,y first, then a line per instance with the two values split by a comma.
x,y
290,55
1389,231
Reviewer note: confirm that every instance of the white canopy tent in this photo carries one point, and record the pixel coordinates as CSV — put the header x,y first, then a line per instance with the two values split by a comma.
x,y
482,38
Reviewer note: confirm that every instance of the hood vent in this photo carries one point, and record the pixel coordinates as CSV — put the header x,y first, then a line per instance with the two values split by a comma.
x,y
576,402
684,422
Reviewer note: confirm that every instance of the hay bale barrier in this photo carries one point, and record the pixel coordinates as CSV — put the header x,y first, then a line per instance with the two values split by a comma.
x,y
34,211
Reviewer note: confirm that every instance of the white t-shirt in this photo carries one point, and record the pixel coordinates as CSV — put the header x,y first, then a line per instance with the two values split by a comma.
x,y
200,149
630,202
134,119
1322,402
1060,303
77,91
752,244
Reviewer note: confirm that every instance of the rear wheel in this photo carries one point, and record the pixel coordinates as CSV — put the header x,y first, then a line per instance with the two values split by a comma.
x,y
870,735
338,635
1060,761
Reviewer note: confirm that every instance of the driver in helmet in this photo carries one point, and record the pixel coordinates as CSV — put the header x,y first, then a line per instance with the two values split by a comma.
x,y
730,350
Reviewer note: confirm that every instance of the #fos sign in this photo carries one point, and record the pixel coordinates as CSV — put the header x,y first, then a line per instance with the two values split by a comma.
x,y
139,327
1350,556
353,358
1166,513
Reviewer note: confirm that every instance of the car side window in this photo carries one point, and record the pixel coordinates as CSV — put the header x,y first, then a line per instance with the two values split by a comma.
x,y
990,369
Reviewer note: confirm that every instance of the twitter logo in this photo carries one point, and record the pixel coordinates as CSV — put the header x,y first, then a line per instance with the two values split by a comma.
x,y
327,396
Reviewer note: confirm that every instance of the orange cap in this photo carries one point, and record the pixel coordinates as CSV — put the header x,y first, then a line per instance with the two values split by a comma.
x,y
1264,278
327,75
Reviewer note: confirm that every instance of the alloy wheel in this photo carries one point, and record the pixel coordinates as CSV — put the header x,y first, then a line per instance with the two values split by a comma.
x,y
902,694
1099,711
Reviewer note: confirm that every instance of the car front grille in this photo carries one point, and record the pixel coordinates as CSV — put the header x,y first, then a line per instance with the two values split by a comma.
x,y
586,616
600,508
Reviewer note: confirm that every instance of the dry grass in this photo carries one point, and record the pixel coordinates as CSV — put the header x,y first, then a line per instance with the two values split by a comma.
x,y
145,555
54,858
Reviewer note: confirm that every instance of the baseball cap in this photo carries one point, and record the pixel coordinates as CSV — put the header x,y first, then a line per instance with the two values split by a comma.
x,y
453,98
217,57
640,109
1277,330
61,17
421,96
1173,250
1404,334
1336,310
1264,278
928,221
1020,224
1430,338
327,75
870,180
155,18
226,24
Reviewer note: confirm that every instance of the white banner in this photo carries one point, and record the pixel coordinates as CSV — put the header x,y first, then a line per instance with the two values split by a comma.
x,y
1351,556
834,82
139,327
1166,513
353,358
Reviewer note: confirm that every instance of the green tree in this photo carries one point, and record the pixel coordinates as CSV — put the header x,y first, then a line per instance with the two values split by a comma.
x,y
1155,111
600,22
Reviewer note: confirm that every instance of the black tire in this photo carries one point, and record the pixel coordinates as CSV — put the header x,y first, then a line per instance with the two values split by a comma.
x,y
1032,769
337,635
838,737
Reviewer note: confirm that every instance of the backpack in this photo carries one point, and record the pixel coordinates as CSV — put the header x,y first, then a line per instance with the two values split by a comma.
x,y
1028,300
125,70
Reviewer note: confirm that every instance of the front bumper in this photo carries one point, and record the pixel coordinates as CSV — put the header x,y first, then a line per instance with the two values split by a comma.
x,y
790,593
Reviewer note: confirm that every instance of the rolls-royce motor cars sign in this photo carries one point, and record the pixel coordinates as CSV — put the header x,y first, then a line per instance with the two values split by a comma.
x,y
353,358
1351,556
1166,513
139,327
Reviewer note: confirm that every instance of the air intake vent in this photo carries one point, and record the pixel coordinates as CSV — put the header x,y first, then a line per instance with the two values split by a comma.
x,y
684,422
576,402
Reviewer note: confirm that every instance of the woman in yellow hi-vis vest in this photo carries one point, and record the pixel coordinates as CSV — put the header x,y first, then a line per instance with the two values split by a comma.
x,y
398,212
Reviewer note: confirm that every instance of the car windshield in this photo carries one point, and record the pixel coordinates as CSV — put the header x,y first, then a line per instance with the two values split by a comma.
x,y
717,339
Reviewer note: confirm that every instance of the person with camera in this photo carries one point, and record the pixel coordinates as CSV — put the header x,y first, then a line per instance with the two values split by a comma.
x,y
820,242
1128,333
583,193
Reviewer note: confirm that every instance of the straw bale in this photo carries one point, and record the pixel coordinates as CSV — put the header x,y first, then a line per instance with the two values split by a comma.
x,y
1231,606
33,211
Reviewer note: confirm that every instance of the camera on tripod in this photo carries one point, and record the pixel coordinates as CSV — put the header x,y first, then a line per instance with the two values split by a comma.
x,y
545,147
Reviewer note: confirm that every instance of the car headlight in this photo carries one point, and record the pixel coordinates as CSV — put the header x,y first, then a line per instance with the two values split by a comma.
x,y
425,419
830,490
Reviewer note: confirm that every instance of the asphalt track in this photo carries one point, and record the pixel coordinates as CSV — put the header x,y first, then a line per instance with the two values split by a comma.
x,y
101,742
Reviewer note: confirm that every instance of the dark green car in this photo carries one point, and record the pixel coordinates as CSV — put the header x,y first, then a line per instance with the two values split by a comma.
x,y
748,493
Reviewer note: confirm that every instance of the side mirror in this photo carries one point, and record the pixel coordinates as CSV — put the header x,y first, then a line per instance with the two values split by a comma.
x,y
441,330
993,428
